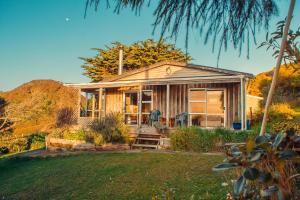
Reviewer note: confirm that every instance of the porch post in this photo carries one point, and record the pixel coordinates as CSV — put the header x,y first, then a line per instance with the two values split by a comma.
x,y
140,106
79,103
86,104
245,100
168,105
242,104
93,106
100,103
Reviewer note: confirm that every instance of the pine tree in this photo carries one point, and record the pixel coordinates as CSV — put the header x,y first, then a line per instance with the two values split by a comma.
x,y
137,55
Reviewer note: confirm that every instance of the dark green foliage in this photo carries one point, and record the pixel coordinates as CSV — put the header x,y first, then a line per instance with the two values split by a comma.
x,y
65,117
36,140
292,48
268,164
112,128
37,137
197,139
140,54
4,150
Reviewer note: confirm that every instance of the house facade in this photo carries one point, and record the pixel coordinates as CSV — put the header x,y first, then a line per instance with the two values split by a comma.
x,y
212,97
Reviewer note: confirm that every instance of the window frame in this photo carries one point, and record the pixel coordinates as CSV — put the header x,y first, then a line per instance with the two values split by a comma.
x,y
205,102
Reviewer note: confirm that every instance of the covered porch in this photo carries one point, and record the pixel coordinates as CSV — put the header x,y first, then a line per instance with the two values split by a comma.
x,y
215,101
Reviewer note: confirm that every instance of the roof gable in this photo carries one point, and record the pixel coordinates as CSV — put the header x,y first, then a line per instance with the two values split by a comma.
x,y
171,69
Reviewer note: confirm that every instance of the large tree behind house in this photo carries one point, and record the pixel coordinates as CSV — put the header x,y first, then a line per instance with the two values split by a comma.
x,y
139,54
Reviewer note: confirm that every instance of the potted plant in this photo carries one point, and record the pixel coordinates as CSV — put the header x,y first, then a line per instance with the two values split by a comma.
x,y
237,125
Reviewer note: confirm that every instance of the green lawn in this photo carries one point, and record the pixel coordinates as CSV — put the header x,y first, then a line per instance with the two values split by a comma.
x,y
112,176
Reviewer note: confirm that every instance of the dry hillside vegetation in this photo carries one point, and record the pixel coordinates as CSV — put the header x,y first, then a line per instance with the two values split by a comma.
x,y
288,88
34,105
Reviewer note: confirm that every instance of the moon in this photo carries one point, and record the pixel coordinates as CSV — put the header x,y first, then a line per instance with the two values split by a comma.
x,y
67,19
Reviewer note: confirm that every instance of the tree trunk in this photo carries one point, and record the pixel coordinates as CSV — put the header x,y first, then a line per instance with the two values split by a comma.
x,y
277,67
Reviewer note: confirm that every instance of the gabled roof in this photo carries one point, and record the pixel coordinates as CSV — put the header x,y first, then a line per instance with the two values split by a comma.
x,y
178,64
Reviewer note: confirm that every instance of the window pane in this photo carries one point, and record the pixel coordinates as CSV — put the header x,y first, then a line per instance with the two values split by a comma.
x,y
146,107
131,119
215,102
197,107
198,95
215,120
146,96
198,120
131,103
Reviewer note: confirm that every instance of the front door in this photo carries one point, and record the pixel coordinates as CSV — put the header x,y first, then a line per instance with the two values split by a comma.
x,y
207,107
131,108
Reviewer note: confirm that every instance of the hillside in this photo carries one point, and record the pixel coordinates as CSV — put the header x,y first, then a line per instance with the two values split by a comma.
x,y
34,104
288,87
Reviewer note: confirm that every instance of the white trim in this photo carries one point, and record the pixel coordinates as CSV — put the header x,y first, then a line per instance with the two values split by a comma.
x,y
242,105
168,105
253,96
99,84
124,106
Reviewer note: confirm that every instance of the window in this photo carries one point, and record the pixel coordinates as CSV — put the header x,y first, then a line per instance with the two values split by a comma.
x,y
131,108
206,107
147,105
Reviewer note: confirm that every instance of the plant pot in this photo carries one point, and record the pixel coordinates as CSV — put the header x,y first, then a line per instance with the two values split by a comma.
x,y
237,125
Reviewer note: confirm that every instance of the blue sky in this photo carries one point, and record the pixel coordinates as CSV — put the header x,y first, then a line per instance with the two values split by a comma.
x,y
37,42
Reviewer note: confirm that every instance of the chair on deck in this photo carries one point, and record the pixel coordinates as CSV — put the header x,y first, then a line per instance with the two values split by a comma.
x,y
181,119
154,116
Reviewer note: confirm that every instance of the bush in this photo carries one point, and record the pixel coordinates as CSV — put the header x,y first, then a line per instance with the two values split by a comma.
x,y
95,138
37,140
283,126
266,167
18,145
64,117
75,135
112,128
203,140
281,111
4,150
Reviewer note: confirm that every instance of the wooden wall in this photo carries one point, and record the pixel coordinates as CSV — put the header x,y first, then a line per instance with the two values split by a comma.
x,y
114,100
178,98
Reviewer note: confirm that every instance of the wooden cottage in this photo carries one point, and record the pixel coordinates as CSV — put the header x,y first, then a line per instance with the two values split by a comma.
x,y
212,97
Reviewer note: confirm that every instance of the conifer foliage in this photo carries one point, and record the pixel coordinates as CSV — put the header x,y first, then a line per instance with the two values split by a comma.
x,y
139,54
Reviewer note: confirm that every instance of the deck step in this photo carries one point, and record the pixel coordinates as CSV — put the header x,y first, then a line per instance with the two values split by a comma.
x,y
153,139
148,136
148,146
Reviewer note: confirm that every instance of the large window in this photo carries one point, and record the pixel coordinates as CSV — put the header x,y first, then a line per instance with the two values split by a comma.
x,y
131,108
89,104
147,105
206,107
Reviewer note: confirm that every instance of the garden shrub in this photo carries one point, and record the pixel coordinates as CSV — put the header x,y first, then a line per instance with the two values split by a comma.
x,y
95,138
112,128
37,140
79,134
203,140
185,138
266,167
18,145
283,126
64,117
281,111
4,150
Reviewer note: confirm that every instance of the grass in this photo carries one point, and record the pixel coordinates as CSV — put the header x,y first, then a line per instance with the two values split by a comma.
x,y
112,176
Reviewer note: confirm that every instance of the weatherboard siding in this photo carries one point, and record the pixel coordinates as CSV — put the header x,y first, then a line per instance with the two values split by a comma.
x,y
169,71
